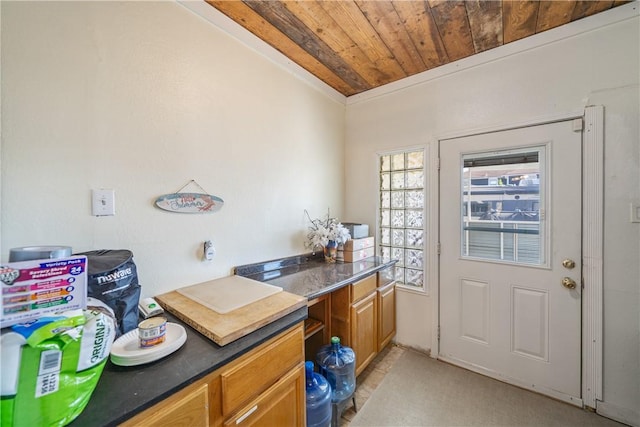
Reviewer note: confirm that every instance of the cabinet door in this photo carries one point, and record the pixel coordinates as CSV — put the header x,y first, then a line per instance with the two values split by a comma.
x,y
188,408
283,404
364,331
386,314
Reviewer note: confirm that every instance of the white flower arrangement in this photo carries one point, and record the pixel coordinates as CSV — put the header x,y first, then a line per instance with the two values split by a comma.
x,y
324,230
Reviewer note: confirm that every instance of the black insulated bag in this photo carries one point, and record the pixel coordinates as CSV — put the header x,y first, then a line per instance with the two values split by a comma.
x,y
113,279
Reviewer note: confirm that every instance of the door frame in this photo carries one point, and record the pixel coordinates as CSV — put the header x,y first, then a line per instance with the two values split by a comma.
x,y
592,118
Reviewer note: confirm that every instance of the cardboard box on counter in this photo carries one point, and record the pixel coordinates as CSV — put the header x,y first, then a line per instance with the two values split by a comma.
x,y
357,231
353,256
358,244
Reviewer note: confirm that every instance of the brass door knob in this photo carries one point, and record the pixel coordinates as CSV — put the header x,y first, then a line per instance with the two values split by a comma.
x,y
569,283
568,263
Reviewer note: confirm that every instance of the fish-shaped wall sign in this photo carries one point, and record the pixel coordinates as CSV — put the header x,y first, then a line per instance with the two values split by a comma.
x,y
189,203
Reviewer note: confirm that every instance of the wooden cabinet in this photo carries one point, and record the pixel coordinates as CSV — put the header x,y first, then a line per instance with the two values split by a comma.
x,y
364,336
255,372
363,288
188,407
354,312
278,406
363,316
265,386
386,306
386,296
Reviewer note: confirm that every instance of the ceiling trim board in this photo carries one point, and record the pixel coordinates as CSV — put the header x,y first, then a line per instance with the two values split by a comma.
x,y
236,31
572,29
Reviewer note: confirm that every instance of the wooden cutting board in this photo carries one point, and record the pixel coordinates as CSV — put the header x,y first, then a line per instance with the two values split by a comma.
x,y
195,307
228,293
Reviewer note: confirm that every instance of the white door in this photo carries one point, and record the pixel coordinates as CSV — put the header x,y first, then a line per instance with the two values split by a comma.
x,y
510,234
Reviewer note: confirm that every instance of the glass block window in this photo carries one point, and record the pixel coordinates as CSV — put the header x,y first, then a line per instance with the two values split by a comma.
x,y
402,222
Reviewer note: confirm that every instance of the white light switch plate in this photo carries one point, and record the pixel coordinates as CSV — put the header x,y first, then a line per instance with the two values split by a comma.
x,y
103,202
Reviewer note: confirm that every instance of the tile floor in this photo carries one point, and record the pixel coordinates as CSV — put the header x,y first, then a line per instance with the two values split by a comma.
x,y
373,375
371,378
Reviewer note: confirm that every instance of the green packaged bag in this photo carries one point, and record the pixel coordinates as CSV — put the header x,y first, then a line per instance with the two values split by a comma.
x,y
51,366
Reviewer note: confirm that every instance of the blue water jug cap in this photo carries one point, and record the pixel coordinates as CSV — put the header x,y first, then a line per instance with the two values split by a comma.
x,y
308,365
335,340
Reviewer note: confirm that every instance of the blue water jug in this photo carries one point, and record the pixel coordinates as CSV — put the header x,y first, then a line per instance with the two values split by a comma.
x,y
318,398
338,364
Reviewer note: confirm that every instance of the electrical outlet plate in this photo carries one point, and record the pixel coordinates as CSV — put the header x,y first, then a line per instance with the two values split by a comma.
x,y
209,250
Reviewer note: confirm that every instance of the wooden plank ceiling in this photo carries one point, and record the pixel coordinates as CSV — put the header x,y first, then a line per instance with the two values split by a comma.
x,y
357,45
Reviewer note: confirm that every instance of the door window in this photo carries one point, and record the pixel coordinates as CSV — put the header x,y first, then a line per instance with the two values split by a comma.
x,y
502,206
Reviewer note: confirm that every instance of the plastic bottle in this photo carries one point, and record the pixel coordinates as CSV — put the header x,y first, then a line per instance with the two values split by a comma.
x,y
318,398
337,363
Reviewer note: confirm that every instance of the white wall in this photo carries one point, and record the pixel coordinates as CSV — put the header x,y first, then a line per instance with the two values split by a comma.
x,y
621,379
597,67
142,97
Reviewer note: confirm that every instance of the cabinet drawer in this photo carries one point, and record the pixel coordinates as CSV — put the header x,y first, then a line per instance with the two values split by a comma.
x,y
281,405
258,372
189,407
362,288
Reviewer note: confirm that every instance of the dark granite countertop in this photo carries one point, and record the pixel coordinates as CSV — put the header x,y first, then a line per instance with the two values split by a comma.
x,y
122,392
311,276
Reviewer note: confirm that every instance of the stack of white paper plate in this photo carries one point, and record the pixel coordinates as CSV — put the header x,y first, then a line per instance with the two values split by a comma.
x,y
126,350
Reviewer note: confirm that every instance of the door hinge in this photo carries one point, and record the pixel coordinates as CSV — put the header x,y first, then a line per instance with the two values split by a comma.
x,y
438,332
438,163
438,248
